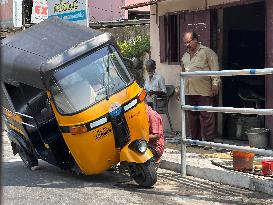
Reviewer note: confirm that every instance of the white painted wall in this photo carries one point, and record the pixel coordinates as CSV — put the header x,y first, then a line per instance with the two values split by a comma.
x,y
171,72
17,13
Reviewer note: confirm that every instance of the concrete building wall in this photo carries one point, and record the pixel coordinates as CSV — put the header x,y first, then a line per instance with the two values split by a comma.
x,y
220,2
130,2
171,72
6,12
110,10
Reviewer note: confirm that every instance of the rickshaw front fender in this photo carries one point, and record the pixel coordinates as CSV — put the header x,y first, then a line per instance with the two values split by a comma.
x,y
132,156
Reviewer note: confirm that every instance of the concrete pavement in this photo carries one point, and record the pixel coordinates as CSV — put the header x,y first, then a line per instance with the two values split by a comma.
x,y
50,185
201,166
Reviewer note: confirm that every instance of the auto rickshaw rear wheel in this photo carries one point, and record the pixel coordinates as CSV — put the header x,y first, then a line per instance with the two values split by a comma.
x,y
29,159
144,174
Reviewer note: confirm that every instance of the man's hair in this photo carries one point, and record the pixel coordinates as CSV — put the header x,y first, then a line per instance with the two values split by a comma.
x,y
193,35
150,63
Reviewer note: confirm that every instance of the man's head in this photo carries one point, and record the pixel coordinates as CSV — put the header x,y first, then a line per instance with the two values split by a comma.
x,y
150,67
190,40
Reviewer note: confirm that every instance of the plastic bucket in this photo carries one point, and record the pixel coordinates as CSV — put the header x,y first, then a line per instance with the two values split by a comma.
x,y
242,161
267,167
258,137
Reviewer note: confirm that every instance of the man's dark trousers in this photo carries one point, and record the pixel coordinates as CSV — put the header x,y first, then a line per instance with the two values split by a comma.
x,y
202,124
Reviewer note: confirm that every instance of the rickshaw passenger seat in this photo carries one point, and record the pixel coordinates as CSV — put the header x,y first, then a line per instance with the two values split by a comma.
x,y
41,111
75,97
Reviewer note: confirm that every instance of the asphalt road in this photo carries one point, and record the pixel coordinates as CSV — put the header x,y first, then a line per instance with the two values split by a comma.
x,y
50,185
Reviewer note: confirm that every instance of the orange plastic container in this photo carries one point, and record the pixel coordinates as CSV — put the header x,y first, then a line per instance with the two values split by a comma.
x,y
242,161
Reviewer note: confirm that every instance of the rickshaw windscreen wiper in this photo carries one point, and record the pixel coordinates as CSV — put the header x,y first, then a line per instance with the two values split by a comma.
x,y
108,73
107,88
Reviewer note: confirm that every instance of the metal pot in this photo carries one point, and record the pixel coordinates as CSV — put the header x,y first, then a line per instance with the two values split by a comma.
x,y
258,137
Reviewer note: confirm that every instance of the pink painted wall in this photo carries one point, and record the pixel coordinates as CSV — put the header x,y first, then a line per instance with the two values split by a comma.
x,y
110,10
6,8
145,8
130,2
105,10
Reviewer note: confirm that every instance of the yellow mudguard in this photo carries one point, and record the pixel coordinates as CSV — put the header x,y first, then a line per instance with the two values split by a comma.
x,y
129,155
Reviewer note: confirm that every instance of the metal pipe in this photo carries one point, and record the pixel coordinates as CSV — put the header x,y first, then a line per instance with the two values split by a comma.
x,y
265,71
228,110
185,107
24,115
183,128
23,15
27,124
231,147
156,13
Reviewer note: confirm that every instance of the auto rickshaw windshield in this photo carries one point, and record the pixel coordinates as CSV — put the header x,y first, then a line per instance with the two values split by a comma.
x,y
89,80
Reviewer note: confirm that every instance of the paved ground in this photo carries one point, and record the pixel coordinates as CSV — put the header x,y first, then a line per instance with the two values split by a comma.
x,y
50,185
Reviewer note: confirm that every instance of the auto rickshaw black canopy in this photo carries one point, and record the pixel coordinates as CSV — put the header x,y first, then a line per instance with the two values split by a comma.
x,y
30,56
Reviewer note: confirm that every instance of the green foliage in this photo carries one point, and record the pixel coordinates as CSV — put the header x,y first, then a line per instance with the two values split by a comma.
x,y
135,47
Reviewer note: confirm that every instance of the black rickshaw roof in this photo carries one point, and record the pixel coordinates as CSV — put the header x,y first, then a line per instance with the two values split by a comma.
x,y
29,55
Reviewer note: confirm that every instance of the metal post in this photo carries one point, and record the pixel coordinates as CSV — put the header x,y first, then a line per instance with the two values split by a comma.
x,y
264,71
184,107
232,147
229,110
23,15
183,127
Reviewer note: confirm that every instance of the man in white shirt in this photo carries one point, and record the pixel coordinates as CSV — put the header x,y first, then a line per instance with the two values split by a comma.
x,y
154,83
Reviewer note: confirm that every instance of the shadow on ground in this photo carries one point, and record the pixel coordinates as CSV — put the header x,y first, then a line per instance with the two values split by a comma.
x,y
169,184
48,176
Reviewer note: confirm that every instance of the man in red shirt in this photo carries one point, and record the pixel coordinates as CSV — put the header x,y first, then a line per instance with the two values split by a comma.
x,y
156,141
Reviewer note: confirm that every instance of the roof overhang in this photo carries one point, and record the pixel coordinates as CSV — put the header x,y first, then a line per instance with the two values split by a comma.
x,y
110,24
142,4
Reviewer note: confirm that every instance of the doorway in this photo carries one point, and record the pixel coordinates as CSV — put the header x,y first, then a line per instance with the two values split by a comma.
x,y
243,48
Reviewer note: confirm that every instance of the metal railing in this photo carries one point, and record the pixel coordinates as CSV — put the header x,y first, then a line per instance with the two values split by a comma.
x,y
185,107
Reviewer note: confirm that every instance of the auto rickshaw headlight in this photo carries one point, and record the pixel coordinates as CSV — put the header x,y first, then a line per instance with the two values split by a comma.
x,y
140,146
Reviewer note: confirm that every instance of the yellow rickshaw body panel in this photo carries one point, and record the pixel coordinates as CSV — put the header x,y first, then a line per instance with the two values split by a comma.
x,y
128,155
95,151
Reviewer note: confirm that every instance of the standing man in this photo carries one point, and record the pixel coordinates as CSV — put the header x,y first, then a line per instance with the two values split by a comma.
x,y
200,90
154,83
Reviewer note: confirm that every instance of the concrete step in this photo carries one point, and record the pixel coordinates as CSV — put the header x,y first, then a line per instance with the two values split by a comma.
x,y
201,167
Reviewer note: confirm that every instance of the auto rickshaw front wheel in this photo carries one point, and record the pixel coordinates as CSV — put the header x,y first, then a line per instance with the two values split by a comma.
x,y
29,159
144,174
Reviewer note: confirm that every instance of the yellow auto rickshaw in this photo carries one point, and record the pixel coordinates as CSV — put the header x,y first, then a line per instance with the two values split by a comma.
x,y
70,100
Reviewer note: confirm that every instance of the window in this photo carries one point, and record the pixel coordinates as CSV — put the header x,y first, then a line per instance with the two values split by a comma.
x,y
169,35
173,25
173,38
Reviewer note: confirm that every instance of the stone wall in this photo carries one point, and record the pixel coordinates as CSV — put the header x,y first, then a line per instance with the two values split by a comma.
x,y
127,32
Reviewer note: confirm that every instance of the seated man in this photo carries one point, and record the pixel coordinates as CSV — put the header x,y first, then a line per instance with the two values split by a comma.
x,y
156,141
154,83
